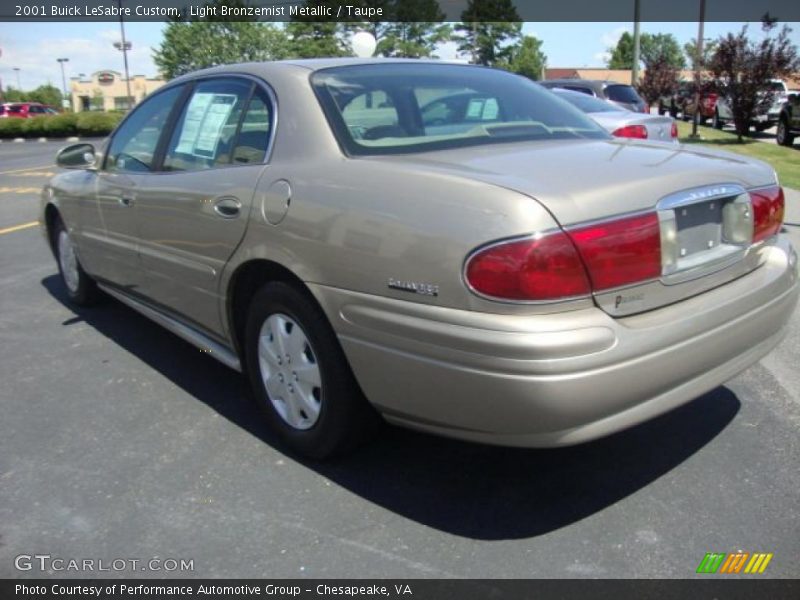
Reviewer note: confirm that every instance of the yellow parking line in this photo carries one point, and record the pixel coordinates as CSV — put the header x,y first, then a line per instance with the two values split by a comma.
x,y
19,227
23,170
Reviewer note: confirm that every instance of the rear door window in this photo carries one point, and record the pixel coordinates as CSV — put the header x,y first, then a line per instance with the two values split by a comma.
x,y
206,131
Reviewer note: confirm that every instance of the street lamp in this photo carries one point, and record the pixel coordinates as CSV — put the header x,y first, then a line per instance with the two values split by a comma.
x,y
124,46
16,70
64,102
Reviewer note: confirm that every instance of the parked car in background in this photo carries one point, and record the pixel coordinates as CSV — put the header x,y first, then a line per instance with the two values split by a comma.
x,y
789,120
707,106
27,110
622,123
511,274
674,102
765,118
619,93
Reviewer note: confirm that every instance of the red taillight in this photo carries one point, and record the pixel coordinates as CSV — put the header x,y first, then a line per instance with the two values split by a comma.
x,y
544,268
674,131
768,207
620,252
632,131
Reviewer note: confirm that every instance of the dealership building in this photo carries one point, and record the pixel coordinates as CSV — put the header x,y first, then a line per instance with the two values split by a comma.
x,y
107,90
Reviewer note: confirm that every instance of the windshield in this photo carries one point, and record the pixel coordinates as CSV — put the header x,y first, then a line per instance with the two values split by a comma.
x,y
588,104
388,108
622,93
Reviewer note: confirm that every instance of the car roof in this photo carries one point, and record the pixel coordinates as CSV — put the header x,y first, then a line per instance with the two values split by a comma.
x,y
309,64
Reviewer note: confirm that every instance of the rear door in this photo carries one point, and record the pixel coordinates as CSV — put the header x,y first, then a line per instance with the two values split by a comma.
x,y
193,212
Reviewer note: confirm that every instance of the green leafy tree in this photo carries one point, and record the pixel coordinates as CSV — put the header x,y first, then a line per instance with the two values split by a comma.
x,y
189,45
314,36
661,48
415,29
653,47
696,61
488,30
743,69
622,53
13,95
46,94
527,58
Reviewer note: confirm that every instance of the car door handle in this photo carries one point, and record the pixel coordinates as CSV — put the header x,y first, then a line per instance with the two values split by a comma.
x,y
227,208
125,200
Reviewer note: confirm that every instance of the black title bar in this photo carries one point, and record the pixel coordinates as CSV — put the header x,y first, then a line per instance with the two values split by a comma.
x,y
361,10
720,587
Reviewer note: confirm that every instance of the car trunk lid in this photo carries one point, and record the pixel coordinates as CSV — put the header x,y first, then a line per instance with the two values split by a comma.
x,y
700,197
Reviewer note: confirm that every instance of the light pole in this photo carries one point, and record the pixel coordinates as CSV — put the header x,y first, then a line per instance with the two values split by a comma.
x,y
63,81
124,46
16,70
699,64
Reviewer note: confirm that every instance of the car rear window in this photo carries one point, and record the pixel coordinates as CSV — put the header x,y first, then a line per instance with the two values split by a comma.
x,y
622,93
390,108
2,110
15,108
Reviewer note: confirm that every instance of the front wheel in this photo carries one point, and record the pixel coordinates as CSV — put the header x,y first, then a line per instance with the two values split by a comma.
x,y
717,122
81,289
300,377
784,136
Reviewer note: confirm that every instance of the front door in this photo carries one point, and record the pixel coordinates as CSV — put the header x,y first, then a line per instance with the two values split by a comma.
x,y
111,226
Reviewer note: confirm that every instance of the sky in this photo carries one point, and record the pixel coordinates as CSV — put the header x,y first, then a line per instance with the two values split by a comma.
x,y
34,47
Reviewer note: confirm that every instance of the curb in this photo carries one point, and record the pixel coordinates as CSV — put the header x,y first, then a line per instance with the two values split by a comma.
x,y
20,140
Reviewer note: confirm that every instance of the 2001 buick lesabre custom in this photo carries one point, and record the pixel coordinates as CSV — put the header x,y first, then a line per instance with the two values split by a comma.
x,y
451,247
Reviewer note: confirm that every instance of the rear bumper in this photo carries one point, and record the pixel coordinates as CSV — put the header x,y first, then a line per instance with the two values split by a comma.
x,y
558,379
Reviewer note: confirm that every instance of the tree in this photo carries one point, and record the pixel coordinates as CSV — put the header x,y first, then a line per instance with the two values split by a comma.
x,y
696,61
660,79
46,94
662,48
13,95
488,29
528,59
189,45
622,53
743,70
653,47
315,36
415,29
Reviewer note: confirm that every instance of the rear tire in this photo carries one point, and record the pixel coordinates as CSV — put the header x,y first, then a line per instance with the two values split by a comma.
x,y
784,136
301,380
81,289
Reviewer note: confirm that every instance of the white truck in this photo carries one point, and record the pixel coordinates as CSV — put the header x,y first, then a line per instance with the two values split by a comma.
x,y
763,119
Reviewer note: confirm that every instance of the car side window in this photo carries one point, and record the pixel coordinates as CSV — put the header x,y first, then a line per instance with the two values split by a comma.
x,y
251,143
134,144
206,130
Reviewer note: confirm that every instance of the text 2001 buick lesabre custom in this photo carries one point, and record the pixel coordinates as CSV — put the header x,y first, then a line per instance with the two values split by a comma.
x,y
451,247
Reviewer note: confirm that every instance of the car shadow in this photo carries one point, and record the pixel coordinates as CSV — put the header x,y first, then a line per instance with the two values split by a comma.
x,y
469,490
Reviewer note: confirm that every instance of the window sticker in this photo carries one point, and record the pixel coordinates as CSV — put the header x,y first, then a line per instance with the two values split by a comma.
x,y
206,115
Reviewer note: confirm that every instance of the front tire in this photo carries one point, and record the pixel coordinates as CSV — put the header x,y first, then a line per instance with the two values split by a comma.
x,y
81,289
717,122
300,377
784,136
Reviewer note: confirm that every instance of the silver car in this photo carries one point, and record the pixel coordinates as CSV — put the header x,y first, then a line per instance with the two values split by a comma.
x,y
622,123
500,269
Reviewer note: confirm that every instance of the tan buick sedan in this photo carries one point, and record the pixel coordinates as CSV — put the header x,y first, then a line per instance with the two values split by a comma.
x,y
448,247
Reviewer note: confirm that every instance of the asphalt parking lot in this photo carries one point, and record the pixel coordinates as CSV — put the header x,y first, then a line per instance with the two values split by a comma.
x,y
119,440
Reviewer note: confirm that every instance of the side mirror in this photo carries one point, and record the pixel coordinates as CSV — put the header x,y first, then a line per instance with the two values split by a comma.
x,y
77,156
